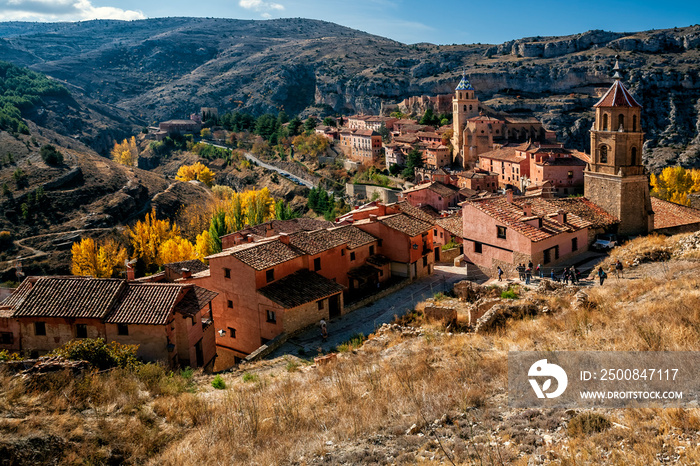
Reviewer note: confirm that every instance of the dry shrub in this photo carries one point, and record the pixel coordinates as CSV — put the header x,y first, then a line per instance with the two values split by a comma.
x,y
588,423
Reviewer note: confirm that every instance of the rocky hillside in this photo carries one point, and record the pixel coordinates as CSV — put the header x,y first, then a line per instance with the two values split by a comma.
x,y
162,68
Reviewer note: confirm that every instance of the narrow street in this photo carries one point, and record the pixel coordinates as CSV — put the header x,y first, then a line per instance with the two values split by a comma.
x,y
367,319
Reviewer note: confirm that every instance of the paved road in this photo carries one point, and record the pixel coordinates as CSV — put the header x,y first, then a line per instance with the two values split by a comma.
x,y
367,319
257,161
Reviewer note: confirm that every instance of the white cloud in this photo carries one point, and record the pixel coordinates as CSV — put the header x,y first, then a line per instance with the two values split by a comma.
x,y
62,10
262,6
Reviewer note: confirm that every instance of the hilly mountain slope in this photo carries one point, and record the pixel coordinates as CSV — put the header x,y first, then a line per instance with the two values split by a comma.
x,y
162,68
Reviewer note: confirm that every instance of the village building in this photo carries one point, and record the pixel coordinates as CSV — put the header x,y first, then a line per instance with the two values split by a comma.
x,y
169,322
329,132
435,194
360,145
179,127
510,162
476,179
505,231
615,178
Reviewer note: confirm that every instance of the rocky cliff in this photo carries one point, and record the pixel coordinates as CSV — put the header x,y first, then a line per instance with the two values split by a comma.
x,y
163,68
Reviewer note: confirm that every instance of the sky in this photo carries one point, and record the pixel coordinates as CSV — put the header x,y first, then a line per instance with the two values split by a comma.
x,y
408,21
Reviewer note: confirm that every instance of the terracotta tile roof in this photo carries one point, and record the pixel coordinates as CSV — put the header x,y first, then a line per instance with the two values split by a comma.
x,y
436,187
378,260
315,242
263,254
617,96
194,266
506,154
522,120
511,215
20,293
71,297
406,224
354,236
669,215
300,288
195,299
275,227
452,224
366,132
429,210
145,304
485,118
409,209
587,210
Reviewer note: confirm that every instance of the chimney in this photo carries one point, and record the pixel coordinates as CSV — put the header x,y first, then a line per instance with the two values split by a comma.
x,y
130,272
284,237
509,195
561,217
527,209
186,273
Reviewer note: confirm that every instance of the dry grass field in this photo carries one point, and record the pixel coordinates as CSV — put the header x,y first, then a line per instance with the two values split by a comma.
x,y
413,393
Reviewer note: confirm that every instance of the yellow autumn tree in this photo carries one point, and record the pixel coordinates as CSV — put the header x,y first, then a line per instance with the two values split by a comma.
x,y
675,183
176,249
198,171
104,261
147,237
203,245
126,152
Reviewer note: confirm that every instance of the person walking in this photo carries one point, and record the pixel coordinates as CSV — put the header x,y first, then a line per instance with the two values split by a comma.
x,y
602,275
500,274
565,276
521,272
572,273
551,275
618,269
324,329
538,271
528,275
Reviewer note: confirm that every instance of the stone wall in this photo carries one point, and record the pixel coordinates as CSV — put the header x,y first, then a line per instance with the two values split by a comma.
x,y
367,192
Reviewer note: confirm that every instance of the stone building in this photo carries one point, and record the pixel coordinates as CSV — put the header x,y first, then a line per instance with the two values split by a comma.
x,y
615,178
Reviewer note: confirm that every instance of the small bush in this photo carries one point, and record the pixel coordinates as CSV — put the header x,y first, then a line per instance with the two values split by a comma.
x,y
7,356
354,342
248,377
218,383
5,240
510,293
292,366
99,353
588,423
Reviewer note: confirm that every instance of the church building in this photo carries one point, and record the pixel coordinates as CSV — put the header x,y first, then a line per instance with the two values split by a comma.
x,y
615,178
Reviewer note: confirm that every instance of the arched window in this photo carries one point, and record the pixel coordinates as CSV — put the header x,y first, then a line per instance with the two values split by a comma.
x,y
605,122
470,108
621,121
460,95
465,108
634,156
634,123
603,152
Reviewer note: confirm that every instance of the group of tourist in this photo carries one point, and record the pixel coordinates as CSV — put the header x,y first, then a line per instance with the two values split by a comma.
x,y
569,274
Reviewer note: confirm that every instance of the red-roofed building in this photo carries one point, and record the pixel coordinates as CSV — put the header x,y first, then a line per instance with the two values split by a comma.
x,y
505,231
438,195
169,322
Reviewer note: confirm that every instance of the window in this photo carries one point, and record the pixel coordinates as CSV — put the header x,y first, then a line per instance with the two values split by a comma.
x,y
81,331
122,329
634,123
501,232
603,151
440,234
271,317
371,250
570,174
574,244
621,121
605,122
478,247
352,256
6,338
342,252
39,328
270,275
229,304
227,273
435,232
232,332
320,305
317,264
634,156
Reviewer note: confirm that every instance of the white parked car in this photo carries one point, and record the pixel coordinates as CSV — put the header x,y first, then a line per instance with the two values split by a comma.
x,y
603,242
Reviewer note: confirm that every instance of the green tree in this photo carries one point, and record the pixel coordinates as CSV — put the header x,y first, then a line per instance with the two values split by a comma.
x,y
283,211
310,124
414,160
330,121
294,127
217,229
429,118
50,155
386,134
20,178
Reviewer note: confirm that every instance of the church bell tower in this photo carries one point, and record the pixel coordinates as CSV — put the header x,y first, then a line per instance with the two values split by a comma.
x,y
464,105
615,178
